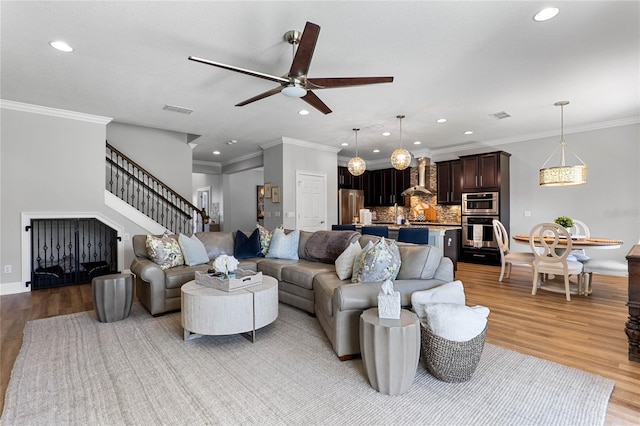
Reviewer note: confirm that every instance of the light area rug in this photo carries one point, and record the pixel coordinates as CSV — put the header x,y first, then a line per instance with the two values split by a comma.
x,y
74,370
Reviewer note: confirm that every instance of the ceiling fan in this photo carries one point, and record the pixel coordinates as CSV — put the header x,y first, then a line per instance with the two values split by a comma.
x,y
296,84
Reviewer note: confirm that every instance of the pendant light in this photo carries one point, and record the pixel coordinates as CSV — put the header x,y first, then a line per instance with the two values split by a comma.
x,y
563,175
400,158
356,165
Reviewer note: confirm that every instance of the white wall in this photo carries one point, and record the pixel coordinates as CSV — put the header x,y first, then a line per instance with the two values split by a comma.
x,y
610,201
240,200
52,163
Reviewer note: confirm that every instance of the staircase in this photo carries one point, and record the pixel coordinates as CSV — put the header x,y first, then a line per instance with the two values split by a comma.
x,y
147,194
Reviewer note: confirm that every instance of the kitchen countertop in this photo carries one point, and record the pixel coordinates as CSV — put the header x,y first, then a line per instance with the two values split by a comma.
x,y
430,225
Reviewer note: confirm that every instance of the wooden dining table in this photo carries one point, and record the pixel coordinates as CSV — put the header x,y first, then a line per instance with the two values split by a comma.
x,y
580,242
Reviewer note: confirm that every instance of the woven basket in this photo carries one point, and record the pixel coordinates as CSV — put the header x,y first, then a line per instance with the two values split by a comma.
x,y
450,361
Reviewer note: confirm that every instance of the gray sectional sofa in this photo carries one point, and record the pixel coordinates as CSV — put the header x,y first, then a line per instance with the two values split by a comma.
x,y
310,284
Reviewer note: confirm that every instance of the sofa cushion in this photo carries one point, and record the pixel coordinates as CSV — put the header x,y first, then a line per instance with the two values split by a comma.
x,y
303,272
380,263
284,246
324,285
326,246
418,261
344,262
247,247
273,267
164,251
217,243
176,277
193,250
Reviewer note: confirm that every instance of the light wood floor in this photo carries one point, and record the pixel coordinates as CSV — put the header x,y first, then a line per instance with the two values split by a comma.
x,y
586,333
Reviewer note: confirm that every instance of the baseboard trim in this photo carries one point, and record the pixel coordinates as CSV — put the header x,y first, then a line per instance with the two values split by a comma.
x,y
13,288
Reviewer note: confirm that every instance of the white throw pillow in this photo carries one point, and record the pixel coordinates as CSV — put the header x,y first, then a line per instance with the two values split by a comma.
x,y
344,262
452,292
458,323
193,250
284,246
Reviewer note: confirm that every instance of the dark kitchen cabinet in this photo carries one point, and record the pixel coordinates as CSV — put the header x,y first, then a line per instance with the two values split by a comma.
x,y
484,172
451,246
348,181
383,187
449,182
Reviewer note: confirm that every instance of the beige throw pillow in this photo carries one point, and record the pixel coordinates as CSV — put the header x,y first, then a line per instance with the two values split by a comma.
x,y
344,262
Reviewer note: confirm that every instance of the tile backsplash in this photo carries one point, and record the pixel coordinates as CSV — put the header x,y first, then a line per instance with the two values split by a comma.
x,y
444,214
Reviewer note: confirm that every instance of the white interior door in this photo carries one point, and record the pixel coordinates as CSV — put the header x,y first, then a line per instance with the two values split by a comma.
x,y
311,201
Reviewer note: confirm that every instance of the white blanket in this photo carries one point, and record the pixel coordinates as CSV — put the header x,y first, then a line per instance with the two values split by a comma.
x,y
452,292
458,323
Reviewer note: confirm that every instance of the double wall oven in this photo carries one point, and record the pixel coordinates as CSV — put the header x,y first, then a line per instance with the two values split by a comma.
x,y
479,209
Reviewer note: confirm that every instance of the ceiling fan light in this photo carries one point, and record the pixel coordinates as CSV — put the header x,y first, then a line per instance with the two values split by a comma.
x,y
356,166
294,91
400,159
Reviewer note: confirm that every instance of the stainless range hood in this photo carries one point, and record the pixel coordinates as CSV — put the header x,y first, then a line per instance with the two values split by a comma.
x,y
421,188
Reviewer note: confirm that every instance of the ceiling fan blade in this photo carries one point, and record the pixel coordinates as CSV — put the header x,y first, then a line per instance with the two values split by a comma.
x,y
261,96
326,83
315,102
304,53
240,70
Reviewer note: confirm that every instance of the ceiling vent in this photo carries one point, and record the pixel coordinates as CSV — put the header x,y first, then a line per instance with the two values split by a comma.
x,y
175,108
500,115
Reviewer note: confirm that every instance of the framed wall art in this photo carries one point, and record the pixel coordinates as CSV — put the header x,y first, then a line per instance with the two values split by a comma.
x,y
260,198
267,190
275,194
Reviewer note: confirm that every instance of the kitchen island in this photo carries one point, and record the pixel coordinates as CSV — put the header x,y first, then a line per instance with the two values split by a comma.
x,y
445,236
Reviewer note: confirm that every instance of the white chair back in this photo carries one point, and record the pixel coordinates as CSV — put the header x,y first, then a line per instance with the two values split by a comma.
x,y
547,237
580,228
501,236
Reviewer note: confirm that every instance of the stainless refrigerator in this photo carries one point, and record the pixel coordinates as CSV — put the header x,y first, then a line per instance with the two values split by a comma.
x,y
350,201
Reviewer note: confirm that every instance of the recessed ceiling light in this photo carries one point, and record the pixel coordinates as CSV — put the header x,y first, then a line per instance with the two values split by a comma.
x,y
303,112
344,144
441,120
417,143
546,14
386,134
376,150
216,152
468,132
61,46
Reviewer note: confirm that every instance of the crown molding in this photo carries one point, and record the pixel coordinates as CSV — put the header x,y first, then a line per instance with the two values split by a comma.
x,y
54,112
540,135
298,142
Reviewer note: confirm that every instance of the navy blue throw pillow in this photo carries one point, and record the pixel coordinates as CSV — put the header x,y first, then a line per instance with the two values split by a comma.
x,y
247,247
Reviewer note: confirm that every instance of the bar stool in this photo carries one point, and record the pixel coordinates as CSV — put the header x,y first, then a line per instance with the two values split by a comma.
x,y
380,231
343,227
414,235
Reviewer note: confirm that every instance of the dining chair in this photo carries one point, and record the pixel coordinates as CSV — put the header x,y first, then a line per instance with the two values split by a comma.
x,y
580,229
414,235
613,267
343,227
554,244
507,256
380,231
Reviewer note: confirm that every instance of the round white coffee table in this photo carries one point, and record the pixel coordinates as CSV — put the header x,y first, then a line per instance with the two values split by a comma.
x,y
207,311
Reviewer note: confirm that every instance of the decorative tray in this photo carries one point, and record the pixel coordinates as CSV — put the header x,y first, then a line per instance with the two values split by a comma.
x,y
243,279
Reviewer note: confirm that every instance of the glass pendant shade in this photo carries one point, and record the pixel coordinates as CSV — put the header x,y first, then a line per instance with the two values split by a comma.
x,y
563,175
357,166
400,159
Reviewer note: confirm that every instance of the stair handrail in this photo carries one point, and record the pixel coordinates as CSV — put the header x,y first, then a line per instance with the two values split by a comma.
x,y
202,212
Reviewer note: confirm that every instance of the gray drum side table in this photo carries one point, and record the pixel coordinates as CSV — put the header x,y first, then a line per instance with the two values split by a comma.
x,y
112,296
390,350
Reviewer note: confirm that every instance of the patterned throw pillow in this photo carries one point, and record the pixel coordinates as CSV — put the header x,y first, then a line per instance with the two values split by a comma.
x,y
380,263
265,238
165,251
357,261
284,246
344,262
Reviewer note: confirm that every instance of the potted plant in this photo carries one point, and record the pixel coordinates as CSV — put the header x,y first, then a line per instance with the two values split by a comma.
x,y
564,221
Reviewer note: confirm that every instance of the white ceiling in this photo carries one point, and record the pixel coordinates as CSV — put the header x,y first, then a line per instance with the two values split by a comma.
x,y
458,60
